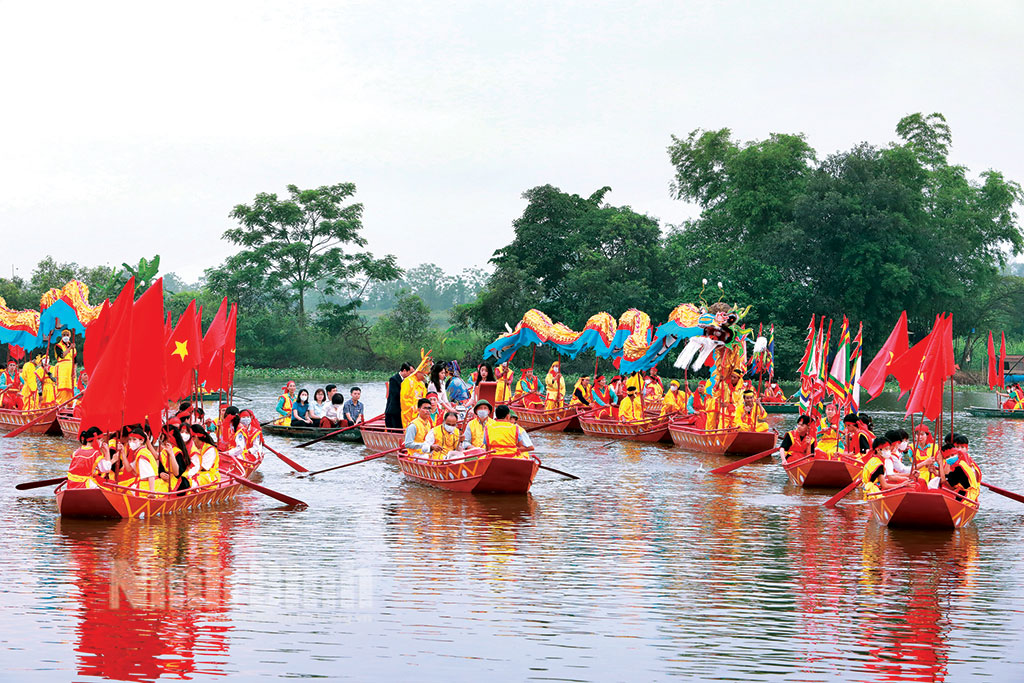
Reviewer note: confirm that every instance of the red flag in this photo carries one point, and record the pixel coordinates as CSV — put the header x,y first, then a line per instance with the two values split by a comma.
x,y
168,326
905,366
1002,360
103,398
147,380
993,373
183,353
213,342
100,330
935,368
873,377
229,350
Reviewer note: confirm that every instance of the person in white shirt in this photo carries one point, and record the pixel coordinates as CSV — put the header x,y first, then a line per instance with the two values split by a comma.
x,y
318,407
334,413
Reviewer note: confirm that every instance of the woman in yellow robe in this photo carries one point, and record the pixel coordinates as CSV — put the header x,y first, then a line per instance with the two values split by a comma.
x,y
554,384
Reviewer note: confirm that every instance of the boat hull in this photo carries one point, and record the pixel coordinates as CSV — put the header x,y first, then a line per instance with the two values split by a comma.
x,y
70,426
353,435
379,438
12,419
554,420
824,470
109,501
996,412
723,441
932,509
651,430
487,474
780,408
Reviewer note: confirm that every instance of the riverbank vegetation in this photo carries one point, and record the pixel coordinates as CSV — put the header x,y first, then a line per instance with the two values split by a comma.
x,y
866,232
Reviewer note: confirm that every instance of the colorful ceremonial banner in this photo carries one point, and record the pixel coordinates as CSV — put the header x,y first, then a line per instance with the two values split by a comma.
x,y
681,324
67,307
838,376
20,328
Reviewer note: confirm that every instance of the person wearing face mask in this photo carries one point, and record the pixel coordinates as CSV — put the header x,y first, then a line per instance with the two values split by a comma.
x,y
473,437
881,471
417,431
673,402
443,440
228,426
65,367
554,386
249,437
142,460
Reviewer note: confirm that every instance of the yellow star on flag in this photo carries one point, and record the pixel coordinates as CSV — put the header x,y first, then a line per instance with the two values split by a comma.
x,y
180,349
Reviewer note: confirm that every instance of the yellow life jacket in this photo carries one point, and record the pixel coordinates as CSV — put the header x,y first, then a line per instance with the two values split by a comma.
x,y
211,475
145,454
873,468
422,428
447,442
476,432
670,403
502,438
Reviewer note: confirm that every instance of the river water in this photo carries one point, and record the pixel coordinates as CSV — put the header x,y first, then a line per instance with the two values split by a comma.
x,y
646,567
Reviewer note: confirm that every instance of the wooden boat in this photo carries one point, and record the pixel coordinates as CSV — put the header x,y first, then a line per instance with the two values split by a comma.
x,y
12,419
378,437
649,430
70,426
909,506
995,412
554,420
824,470
778,408
724,441
476,473
111,501
308,433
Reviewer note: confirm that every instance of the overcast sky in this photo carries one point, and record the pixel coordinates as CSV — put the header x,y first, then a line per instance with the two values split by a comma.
x,y
133,128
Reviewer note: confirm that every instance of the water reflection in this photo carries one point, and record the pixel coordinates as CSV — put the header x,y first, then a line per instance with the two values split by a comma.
x,y
152,595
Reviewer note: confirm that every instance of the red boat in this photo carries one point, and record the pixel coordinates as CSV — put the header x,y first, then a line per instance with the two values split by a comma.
x,y
70,426
477,473
554,420
378,437
110,500
930,509
724,441
651,430
12,419
824,470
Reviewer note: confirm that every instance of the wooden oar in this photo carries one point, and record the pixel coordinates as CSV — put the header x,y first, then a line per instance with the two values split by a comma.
x,y
51,413
287,500
355,462
552,469
344,429
724,469
288,461
831,502
995,489
39,484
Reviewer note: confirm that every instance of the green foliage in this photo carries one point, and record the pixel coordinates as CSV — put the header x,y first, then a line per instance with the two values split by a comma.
x,y
571,257
290,245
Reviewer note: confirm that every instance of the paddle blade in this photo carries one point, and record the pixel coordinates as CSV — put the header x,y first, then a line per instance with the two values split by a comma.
x,y
831,502
552,469
288,461
40,484
725,469
287,500
1003,492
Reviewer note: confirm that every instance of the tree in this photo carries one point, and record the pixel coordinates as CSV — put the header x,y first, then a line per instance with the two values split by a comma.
x,y
301,240
571,257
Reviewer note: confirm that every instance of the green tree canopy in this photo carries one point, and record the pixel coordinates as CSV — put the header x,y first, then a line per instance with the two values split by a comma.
x,y
294,244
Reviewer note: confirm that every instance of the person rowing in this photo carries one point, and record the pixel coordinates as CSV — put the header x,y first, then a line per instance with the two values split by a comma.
x,y
882,469
799,442
504,438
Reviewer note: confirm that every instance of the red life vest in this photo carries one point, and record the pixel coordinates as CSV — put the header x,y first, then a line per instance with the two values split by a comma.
x,y
801,444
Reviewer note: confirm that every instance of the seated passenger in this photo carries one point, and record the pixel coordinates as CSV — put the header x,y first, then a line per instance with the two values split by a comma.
x,y
417,431
300,410
630,409
442,441
799,441
882,471
203,456
753,418
504,438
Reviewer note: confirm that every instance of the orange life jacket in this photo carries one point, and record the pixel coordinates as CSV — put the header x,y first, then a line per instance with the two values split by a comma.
x,y
801,444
